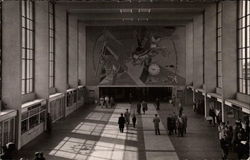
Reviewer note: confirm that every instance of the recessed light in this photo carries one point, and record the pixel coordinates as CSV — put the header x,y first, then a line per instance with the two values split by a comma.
x,y
142,19
144,10
127,19
126,10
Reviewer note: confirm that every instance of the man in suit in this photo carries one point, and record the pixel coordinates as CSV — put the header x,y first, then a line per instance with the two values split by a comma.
x,y
121,122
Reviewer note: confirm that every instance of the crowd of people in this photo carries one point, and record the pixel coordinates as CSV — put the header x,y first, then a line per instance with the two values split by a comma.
x,y
107,102
177,124
234,138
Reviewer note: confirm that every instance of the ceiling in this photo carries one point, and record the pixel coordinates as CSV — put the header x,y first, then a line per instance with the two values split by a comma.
x,y
135,12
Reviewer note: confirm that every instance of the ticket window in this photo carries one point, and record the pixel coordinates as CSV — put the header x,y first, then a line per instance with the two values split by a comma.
x,y
233,113
7,132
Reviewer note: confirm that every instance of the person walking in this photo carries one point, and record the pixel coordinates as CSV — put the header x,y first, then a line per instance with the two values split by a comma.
x,y
157,102
49,123
101,101
121,122
139,108
222,138
180,125
127,117
156,122
112,102
134,119
169,124
106,101
185,119
144,106
174,119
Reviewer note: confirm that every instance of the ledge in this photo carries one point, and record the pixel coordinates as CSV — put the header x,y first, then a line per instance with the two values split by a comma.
x,y
215,95
244,106
7,113
81,86
71,89
31,103
55,96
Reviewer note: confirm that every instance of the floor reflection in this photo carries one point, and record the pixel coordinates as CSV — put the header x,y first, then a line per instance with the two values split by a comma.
x,y
99,148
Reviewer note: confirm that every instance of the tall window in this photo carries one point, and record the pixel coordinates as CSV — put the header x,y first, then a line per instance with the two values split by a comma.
x,y
218,45
27,41
244,46
0,52
51,45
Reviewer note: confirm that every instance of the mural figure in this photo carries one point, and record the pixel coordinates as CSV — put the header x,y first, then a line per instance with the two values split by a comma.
x,y
148,64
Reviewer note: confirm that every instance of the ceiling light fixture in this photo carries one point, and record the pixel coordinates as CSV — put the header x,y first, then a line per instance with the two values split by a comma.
x,y
127,19
126,10
144,10
142,19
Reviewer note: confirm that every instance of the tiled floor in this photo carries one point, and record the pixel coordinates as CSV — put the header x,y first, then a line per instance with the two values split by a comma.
x,y
92,133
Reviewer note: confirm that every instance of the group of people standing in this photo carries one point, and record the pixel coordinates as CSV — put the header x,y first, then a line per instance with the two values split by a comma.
x,y
235,138
125,119
107,101
143,105
177,124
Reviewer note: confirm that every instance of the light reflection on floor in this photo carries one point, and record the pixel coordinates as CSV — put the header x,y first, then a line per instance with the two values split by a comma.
x,y
84,149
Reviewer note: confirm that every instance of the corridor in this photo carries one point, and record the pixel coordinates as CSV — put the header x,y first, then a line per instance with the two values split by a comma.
x,y
92,134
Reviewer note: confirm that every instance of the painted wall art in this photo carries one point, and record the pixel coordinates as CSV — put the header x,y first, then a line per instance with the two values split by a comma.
x,y
134,56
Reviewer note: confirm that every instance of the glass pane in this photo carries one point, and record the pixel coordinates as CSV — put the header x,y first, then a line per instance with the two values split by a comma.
x,y
248,7
248,20
240,69
23,68
219,44
248,52
219,68
240,38
23,8
6,132
248,87
219,20
243,86
219,32
27,86
243,37
23,86
219,56
244,8
248,38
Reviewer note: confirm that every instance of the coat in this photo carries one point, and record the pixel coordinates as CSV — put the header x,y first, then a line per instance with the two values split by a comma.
x,y
156,122
121,121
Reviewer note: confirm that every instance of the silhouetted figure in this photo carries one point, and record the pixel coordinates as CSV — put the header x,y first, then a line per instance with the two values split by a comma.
x,y
180,125
127,117
49,123
144,106
174,119
121,122
134,119
157,102
39,156
156,122
139,108
9,151
112,102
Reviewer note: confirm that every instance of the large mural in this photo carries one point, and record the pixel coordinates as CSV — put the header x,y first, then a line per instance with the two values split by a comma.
x,y
133,56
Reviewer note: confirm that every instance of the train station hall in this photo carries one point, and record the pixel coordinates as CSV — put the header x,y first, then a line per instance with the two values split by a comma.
x,y
124,79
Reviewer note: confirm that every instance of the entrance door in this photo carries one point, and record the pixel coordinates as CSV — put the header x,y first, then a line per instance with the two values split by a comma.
x,y
122,94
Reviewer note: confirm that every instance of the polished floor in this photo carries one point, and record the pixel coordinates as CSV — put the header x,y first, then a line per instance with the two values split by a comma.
x,y
92,133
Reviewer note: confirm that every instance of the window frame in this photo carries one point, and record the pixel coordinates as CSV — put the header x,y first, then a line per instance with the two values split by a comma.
x,y
52,61
219,82
243,47
27,48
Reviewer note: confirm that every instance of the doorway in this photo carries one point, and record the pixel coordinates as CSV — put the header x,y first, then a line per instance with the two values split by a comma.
x,y
123,94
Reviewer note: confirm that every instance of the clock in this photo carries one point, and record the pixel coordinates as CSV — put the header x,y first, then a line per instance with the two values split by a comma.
x,y
154,69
